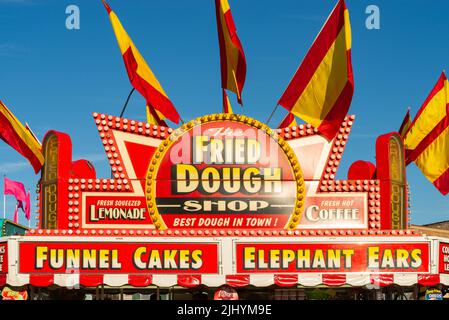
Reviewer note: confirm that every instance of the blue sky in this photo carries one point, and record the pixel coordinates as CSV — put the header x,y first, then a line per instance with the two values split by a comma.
x,y
54,78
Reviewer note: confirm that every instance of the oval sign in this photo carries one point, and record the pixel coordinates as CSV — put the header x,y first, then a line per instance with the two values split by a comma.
x,y
224,171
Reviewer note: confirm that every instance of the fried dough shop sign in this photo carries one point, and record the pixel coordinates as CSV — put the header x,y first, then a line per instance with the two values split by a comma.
x,y
226,174
219,171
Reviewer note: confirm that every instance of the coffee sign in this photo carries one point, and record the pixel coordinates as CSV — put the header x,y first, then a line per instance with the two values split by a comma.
x,y
335,210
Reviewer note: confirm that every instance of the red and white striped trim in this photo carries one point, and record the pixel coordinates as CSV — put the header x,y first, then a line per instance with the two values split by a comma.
x,y
258,280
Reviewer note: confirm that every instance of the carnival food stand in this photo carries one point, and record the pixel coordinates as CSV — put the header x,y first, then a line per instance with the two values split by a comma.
x,y
222,200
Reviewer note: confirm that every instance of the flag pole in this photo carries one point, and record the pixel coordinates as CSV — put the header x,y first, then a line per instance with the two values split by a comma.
x,y
272,113
127,100
29,220
126,104
4,198
123,110
16,212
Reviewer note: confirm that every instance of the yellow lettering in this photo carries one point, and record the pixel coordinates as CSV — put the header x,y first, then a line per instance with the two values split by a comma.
x,y
41,256
138,257
373,257
249,257
416,258
197,262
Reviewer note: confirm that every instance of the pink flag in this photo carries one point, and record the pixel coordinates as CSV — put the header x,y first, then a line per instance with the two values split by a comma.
x,y
15,189
27,207
16,214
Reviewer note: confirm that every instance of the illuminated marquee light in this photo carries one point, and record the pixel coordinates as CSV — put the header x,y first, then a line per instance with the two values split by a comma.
x,y
126,143
49,183
119,202
323,160
398,184
393,183
266,180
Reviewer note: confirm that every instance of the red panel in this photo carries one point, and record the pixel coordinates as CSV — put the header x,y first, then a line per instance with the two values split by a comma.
x,y
382,280
443,258
124,258
277,257
91,280
3,258
2,280
41,280
428,279
388,182
189,281
286,280
83,169
334,280
137,280
140,156
64,165
237,280
361,170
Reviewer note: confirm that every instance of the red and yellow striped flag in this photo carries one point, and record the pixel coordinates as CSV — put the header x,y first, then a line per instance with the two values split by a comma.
x,y
427,141
405,124
232,57
321,90
19,138
227,107
139,73
154,117
289,121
